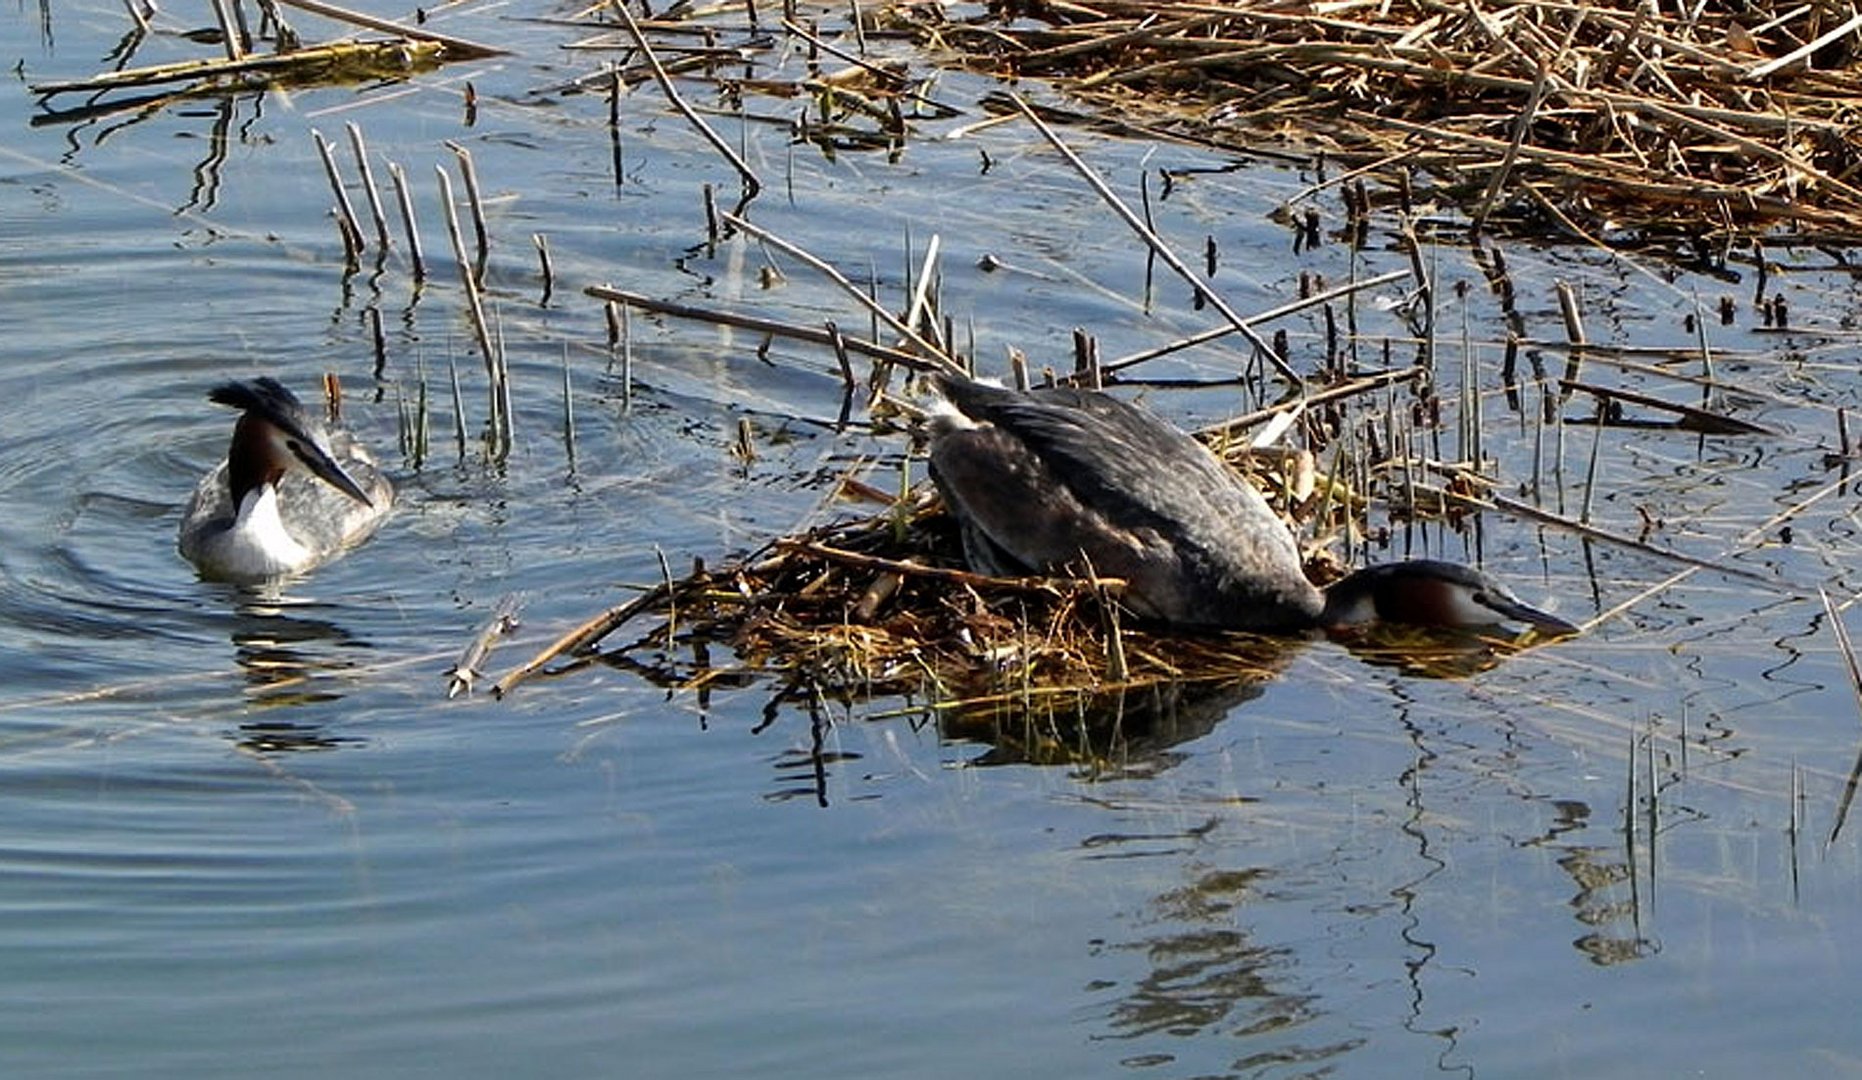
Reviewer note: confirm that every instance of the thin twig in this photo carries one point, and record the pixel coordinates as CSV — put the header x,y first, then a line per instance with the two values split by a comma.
x,y
814,335
751,184
931,351
1137,225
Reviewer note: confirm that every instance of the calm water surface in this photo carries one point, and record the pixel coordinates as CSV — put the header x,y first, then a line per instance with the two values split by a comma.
x,y
250,834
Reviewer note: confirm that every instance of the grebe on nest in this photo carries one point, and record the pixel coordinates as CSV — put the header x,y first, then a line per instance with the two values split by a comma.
x,y
1038,479
289,495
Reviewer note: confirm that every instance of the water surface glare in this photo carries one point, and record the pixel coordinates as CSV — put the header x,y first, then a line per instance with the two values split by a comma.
x,y
250,835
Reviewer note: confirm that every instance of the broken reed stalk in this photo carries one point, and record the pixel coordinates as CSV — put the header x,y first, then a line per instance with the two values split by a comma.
x,y
424,433
456,48
378,339
405,199
501,392
549,274
368,185
415,427
499,430
1366,384
671,588
469,667
744,448
1291,307
568,409
1521,127
1804,51
1590,468
1688,417
627,357
1854,668
921,291
1157,244
230,36
469,172
751,185
620,347
838,342
459,416
350,226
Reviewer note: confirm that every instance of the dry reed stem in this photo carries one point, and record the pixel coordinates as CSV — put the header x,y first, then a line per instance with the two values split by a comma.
x,y
1291,307
1854,668
811,334
931,351
343,59
1689,417
751,184
1156,244
460,47
468,668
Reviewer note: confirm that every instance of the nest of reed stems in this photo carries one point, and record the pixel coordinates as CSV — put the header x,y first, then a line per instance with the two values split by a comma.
x,y
1618,121
881,605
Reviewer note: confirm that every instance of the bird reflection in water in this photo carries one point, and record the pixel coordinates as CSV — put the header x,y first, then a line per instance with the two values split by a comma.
x,y
289,661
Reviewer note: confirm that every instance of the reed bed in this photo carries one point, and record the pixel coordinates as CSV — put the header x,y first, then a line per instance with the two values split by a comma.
x,y
1615,120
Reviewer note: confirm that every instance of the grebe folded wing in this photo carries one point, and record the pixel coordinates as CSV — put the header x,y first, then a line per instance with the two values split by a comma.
x,y
1053,474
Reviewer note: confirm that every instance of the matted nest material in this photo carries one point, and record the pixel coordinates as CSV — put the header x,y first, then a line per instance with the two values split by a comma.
x,y
882,606
1603,116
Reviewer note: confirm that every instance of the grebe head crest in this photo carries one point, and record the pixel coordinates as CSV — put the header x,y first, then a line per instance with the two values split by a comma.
x,y
274,432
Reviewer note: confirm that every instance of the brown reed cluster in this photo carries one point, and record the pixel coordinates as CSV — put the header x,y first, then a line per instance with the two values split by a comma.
x,y
1620,120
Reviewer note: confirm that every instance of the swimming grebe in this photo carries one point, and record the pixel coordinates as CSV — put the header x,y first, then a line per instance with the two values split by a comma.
x,y
289,495
1039,479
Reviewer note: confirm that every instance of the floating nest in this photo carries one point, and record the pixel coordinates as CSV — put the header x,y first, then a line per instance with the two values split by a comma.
x,y
880,606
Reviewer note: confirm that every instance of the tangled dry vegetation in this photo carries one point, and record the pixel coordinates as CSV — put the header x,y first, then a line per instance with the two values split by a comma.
x,y
1623,120
881,605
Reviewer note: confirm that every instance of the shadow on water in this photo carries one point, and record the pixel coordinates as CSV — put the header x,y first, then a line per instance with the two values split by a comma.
x,y
1101,733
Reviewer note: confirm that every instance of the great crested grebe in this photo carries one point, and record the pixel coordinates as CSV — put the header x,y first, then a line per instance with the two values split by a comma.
x,y
290,494
1039,479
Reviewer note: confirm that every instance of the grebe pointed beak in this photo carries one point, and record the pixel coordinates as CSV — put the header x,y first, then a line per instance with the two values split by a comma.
x,y
1511,607
1430,592
325,468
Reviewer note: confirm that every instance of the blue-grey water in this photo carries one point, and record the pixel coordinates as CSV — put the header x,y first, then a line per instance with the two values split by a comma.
x,y
250,835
